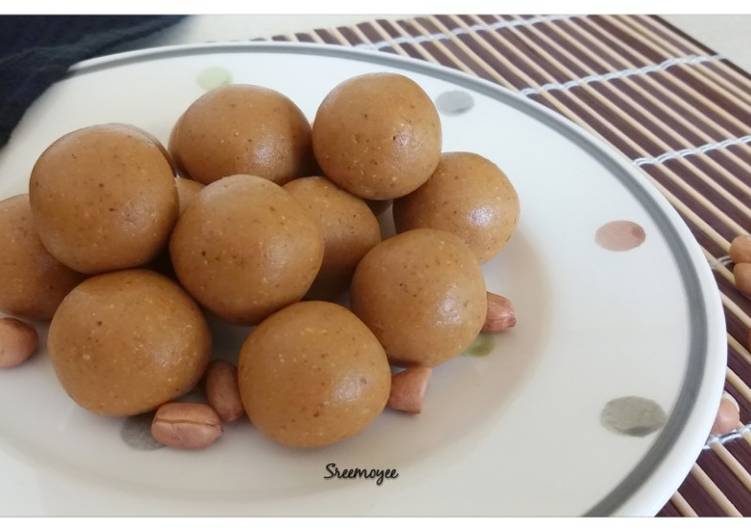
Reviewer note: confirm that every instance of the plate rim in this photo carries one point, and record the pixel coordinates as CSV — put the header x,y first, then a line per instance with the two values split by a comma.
x,y
662,469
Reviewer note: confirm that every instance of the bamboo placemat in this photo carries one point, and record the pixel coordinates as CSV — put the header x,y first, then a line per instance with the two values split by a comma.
x,y
679,110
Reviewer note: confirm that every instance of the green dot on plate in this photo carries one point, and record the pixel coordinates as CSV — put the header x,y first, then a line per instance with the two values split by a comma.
x,y
482,346
213,77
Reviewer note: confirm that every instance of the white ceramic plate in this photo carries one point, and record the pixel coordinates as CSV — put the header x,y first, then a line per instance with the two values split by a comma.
x,y
519,431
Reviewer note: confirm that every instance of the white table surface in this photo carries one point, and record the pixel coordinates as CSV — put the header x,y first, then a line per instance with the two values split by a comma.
x,y
729,35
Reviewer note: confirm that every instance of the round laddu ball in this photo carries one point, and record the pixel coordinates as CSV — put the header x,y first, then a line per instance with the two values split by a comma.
x,y
103,198
377,136
123,343
348,227
33,282
468,196
245,248
422,294
312,374
242,129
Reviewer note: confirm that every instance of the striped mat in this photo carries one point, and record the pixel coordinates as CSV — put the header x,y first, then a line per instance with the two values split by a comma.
x,y
679,110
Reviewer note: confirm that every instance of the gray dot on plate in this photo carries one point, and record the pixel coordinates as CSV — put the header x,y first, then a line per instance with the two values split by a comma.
x,y
633,416
454,102
136,433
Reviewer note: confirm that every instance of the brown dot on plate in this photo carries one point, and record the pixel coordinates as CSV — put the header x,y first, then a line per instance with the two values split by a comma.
x,y
633,416
620,235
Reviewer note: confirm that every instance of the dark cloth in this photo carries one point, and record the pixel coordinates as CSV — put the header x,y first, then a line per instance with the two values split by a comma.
x,y
36,51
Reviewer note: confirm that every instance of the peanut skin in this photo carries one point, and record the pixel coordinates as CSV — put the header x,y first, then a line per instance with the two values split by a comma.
x,y
186,425
223,392
408,389
18,341
500,316
740,249
728,415
742,273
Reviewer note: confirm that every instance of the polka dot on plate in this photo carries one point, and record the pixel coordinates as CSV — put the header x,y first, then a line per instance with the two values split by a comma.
x,y
482,346
632,416
213,77
620,235
454,102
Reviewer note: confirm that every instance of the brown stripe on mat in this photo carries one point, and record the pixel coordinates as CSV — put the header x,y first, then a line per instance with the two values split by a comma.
x,y
471,45
631,108
372,35
744,402
420,50
588,52
742,151
394,32
740,449
737,163
672,134
735,326
572,33
696,205
714,215
658,84
694,97
340,38
634,90
609,26
660,113
699,71
645,30
737,189
729,78
669,510
735,127
497,56
647,146
497,39
735,467
452,49
382,40
433,51
585,25
714,95
737,319
699,499
327,37
724,479
350,35
304,37
701,118
523,48
486,18
727,203
706,241
531,34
